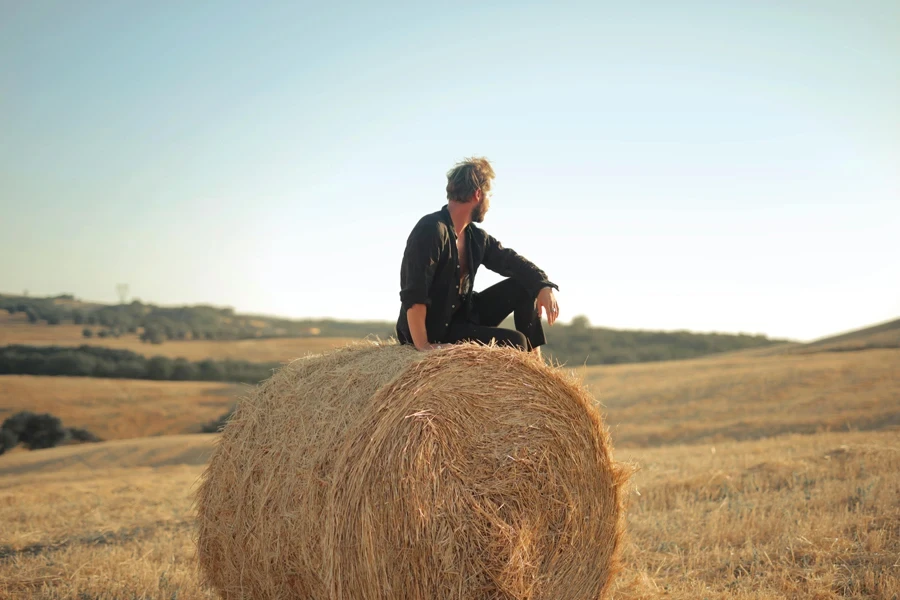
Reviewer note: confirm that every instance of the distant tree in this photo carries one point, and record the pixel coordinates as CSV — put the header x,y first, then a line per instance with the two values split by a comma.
x,y
78,317
54,318
87,332
580,322
183,370
210,370
102,333
160,368
153,334
32,315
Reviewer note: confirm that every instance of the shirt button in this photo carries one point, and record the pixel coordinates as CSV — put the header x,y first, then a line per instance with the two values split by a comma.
x,y
446,324
452,306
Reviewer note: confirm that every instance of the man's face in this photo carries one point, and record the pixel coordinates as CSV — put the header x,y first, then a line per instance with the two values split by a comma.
x,y
481,208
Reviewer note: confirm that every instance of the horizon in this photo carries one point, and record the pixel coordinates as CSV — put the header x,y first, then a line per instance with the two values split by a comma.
x,y
564,322
696,167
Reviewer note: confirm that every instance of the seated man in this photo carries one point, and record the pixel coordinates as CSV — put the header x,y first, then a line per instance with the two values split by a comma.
x,y
437,275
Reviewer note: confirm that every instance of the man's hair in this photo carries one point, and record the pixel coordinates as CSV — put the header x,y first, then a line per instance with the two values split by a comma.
x,y
467,176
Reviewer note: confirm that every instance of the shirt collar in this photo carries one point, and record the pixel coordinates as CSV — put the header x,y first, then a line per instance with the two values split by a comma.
x,y
445,216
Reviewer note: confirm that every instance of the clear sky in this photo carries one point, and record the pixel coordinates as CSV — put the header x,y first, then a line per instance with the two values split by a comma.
x,y
713,166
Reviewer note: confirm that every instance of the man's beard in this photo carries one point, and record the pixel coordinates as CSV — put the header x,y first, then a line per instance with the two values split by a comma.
x,y
479,210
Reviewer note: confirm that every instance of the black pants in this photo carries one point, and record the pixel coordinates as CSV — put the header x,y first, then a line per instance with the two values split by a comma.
x,y
490,308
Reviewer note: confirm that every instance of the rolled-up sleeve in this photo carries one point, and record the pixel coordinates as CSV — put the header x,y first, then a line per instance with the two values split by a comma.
x,y
509,263
420,261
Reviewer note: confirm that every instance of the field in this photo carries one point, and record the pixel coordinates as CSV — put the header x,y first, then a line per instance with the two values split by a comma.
x,y
740,397
759,475
813,516
15,330
119,408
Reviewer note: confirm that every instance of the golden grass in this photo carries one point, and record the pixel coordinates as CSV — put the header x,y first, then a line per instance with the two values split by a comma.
x,y
802,516
747,397
253,350
814,516
76,461
119,408
794,516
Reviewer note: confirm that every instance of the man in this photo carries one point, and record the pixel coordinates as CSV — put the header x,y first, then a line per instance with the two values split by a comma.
x,y
437,276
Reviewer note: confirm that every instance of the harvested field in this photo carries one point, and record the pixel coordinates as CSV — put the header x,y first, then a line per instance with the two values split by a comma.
x,y
253,350
747,397
120,408
791,516
802,516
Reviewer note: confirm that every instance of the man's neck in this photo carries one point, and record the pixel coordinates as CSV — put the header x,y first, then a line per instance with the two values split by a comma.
x,y
460,214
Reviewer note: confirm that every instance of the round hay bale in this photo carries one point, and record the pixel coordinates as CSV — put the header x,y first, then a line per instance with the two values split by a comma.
x,y
378,472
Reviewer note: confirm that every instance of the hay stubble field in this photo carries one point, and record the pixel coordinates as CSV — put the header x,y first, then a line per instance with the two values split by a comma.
x,y
757,477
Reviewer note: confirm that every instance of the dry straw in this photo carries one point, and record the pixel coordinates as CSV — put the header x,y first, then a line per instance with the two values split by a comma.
x,y
377,472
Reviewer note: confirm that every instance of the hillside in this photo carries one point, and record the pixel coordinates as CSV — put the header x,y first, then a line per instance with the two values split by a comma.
x,y
883,335
748,397
197,332
15,330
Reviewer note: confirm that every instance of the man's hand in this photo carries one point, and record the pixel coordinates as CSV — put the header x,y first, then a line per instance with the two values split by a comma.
x,y
430,347
546,302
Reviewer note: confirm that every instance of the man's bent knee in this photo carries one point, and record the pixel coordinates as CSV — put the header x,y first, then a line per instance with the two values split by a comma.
x,y
512,338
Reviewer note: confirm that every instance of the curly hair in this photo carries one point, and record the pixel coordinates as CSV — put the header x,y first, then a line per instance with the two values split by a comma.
x,y
468,176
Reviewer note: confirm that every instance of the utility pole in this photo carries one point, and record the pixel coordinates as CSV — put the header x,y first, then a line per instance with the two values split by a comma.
x,y
122,290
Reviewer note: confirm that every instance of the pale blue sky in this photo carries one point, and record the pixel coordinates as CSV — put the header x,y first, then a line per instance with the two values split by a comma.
x,y
672,165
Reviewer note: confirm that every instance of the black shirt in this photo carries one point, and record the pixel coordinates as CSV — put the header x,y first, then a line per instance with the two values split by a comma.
x,y
430,273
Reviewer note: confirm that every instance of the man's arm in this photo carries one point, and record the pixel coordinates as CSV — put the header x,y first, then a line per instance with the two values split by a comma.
x,y
420,260
415,316
508,263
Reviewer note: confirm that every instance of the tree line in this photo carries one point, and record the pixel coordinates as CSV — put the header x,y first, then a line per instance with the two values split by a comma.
x,y
95,361
576,343
157,324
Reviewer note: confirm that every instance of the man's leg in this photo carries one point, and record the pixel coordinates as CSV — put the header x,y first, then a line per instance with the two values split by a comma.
x,y
509,296
469,332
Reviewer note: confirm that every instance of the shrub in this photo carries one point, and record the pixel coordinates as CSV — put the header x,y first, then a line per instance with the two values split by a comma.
x,y
79,434
36,431
17,423
8,440
87,332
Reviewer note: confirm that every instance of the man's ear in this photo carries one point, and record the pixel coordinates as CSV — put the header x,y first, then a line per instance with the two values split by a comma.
x,y
477,196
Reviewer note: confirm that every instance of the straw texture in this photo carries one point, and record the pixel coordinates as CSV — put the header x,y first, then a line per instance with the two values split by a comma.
x,y
378,472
